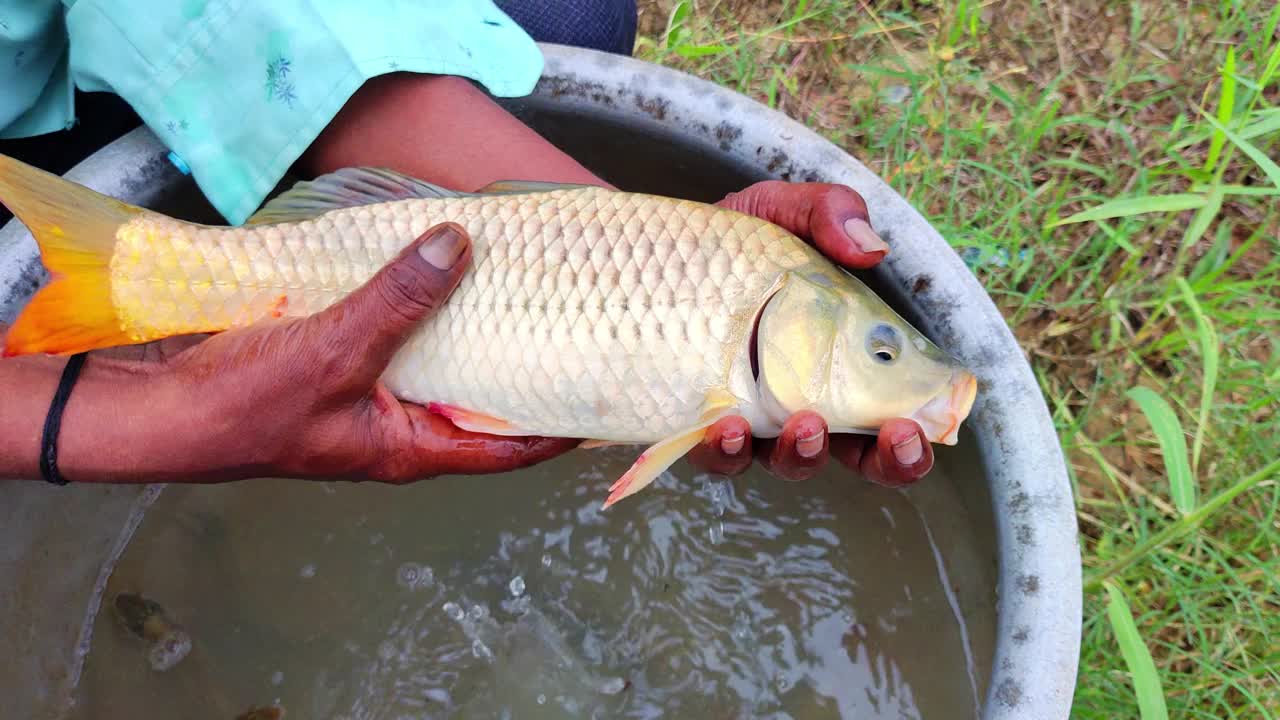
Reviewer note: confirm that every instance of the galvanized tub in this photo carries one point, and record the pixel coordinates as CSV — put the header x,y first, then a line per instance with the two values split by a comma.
x,y
680,136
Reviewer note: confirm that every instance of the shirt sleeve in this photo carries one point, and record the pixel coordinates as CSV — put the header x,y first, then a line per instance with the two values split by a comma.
x,y
238,89
36,93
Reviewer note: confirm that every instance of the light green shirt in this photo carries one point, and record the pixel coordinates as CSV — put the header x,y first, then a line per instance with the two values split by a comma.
x,y
238,89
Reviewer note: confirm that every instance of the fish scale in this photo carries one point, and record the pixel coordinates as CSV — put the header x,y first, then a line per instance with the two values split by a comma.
x,y
556,321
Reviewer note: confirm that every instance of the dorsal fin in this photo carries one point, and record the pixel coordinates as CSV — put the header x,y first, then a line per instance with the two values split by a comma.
x,y
355,186
348,187
523,187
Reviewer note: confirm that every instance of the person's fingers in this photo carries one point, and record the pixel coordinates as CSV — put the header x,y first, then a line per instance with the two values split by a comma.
x,y
367,327
849,449
901,455
833,217
726,448
800,451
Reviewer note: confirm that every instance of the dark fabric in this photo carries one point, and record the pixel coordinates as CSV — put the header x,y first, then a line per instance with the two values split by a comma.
x,y
607,25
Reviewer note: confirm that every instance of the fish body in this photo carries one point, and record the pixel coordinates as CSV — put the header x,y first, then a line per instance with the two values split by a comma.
x,y
587,313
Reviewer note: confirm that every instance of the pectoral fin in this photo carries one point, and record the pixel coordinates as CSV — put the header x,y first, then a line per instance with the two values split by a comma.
x,y
654,461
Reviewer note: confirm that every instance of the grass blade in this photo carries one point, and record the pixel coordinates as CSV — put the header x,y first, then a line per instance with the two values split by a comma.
x,y
1173,445
1226,108
1146,680
1267,164
1209,349
1124,207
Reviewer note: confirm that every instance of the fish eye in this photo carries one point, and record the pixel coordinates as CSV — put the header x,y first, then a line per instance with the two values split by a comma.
x,y
884,343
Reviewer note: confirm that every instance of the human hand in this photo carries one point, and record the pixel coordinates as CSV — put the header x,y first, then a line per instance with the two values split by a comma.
x,y
834,218
301,397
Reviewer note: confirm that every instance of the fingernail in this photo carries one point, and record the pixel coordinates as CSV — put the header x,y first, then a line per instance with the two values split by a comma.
x,y
809,447
444,248
908,451
864,237
731,443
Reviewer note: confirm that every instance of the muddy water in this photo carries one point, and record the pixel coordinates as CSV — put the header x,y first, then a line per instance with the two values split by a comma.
x,y
515,596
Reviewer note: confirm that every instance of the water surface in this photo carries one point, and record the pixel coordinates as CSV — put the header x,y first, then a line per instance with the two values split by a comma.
x,y
516,596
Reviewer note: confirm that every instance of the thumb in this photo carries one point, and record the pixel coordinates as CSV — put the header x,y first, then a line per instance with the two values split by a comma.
x,y
832,217
379,316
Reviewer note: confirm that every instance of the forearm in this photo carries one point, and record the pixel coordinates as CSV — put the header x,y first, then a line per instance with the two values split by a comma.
x,y
441,129
120,424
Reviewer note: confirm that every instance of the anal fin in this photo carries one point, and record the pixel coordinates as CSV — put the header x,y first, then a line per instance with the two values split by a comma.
x,y
472,421
654,461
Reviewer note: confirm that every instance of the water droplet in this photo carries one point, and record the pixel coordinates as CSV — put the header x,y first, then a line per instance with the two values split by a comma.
x,y
613,686
453,611
277,677
546,561
308,571
517,586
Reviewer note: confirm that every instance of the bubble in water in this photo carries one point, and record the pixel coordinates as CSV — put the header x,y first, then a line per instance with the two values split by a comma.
x,y
846,615
517,586
409,575
480,650
169,650
376,538
277,677
784,684
308,571
477,612
437,695
386,650
716,533
546,561
613,686
453,610
542,699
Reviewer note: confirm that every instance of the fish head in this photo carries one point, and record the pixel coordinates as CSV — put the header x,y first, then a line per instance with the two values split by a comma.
x,y
825,342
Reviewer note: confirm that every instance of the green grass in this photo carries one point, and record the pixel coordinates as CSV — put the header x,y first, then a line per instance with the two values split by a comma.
x,y
1111,169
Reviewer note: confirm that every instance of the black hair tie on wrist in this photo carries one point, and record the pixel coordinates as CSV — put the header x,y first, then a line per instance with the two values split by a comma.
x,y
53,421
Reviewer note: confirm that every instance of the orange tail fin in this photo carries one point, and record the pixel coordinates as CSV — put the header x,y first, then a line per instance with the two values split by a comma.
x,y
75,228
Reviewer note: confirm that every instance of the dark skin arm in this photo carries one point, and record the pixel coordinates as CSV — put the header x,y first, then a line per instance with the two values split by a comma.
x,y
172,411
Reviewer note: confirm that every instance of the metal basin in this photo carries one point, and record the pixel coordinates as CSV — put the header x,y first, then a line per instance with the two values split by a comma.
x,y
649,129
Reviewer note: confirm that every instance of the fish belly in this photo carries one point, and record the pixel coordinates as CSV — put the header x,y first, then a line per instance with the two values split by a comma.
x,y
586,313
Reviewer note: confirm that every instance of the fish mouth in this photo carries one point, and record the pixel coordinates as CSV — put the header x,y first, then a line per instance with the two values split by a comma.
x,y
940,418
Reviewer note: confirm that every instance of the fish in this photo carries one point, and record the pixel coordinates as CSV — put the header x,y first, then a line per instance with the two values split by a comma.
x,y
613,317
168,642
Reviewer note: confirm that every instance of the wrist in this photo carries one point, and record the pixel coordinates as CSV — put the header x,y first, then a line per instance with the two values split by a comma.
x,y
139,423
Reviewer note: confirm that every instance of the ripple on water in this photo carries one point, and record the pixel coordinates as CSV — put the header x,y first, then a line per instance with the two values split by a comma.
x,y
702,597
